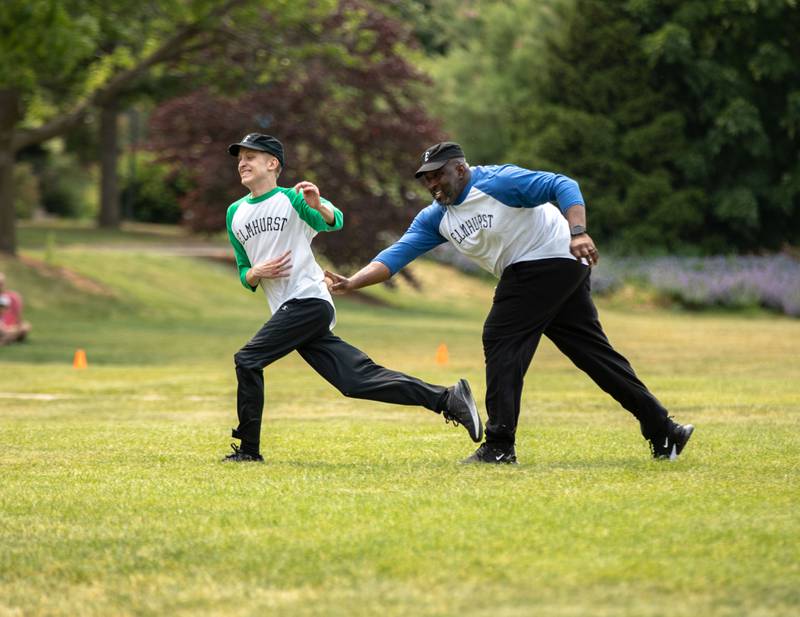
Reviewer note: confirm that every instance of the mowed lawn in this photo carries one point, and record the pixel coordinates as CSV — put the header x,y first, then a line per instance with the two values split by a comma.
x,y
113,502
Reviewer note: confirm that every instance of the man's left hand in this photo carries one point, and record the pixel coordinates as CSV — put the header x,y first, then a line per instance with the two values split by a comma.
x,y
583,247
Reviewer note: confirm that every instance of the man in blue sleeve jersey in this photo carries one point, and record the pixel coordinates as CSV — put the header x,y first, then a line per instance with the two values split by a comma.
x,y
507,220
271,230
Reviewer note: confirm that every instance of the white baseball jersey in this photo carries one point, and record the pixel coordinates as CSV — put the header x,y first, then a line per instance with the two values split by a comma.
x,y
506,214
265,227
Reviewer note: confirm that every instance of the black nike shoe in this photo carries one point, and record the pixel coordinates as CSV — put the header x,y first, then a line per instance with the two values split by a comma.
x,y
461,409
240,456
493,455
671,444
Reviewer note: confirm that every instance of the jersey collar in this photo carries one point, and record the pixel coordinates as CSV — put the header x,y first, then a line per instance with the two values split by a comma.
x,y
267,195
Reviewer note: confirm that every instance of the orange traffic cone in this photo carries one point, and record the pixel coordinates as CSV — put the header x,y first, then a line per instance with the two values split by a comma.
x,y
441,354
79,361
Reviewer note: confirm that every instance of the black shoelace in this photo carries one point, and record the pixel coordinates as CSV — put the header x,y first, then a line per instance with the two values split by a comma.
x,y
236,451
450,418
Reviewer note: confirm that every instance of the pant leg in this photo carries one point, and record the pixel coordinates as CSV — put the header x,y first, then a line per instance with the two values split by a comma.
x,y
293,324
507,361
577,332
527,298
355,375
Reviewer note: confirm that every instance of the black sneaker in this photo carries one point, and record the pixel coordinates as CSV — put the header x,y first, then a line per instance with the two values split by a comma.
x,y
461,409
495,455
240,456
669,446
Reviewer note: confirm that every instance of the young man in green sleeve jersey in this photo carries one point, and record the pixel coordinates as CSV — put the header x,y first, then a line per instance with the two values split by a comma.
x,y
271,231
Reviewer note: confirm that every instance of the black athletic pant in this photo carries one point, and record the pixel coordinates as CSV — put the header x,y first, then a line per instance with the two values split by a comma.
x,y
552,297
304,325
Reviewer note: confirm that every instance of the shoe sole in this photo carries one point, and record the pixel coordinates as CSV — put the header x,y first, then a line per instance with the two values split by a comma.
x,y
688,429
239,460
472,461
473,410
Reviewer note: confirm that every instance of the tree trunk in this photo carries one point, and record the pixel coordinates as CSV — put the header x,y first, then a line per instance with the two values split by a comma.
x,y
109,153
9,116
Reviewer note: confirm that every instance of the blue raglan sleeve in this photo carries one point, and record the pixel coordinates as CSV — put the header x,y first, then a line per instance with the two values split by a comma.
x,y
523,188
421,236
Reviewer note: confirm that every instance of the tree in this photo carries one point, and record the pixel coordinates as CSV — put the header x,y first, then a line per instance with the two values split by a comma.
x,y
348,112
51,82
601,116
563,86
729,69
490,70
26,60
680,118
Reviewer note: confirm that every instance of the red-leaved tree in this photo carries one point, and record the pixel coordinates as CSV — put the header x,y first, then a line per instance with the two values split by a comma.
x,y
348,111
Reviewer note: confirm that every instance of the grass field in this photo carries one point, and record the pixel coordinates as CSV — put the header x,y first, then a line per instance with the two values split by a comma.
x,y
112,500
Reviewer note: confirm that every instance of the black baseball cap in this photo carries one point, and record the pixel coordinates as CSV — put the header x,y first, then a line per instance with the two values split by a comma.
x,y
257,141
437,155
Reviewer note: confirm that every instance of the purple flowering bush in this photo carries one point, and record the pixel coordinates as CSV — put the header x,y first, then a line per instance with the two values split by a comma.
x,y
771,281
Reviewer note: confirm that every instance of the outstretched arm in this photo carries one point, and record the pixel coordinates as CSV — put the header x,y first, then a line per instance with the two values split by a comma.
x,y
421,236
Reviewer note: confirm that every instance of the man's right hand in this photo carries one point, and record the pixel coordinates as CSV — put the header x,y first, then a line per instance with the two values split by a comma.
x,y
374,272
339,284
276,268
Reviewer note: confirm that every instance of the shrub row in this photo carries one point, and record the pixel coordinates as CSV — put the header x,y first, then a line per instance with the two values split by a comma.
x,y
772,281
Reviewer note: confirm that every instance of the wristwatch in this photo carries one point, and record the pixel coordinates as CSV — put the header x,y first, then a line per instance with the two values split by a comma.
x,y
577,230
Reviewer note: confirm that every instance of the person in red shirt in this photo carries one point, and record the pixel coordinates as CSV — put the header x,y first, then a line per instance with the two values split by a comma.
x,y
12,327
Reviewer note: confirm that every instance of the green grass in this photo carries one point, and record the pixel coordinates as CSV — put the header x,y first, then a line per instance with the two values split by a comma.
x,y
112,501
68,233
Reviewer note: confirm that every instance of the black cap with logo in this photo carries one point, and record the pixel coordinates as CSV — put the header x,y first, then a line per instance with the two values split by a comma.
x,y
437,155
257,141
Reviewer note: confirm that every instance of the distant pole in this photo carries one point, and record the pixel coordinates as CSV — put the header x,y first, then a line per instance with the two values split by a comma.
x,y
109,151
10,114
133,141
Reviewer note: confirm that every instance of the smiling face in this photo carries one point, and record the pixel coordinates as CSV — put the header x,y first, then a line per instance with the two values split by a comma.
x,y
446,183
258,170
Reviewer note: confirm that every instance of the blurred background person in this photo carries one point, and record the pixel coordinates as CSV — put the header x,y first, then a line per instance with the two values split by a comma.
x,y
13,328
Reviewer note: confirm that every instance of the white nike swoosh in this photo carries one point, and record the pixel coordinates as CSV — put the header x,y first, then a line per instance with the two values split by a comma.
x,y
666,442
497,458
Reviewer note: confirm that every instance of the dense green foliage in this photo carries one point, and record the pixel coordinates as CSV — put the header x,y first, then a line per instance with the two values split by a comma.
x,y
62,61
36,66
679,118
601,115
730,71
152,191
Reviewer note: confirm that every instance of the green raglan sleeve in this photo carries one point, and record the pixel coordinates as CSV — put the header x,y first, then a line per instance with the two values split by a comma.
x,y
242,261
312,217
